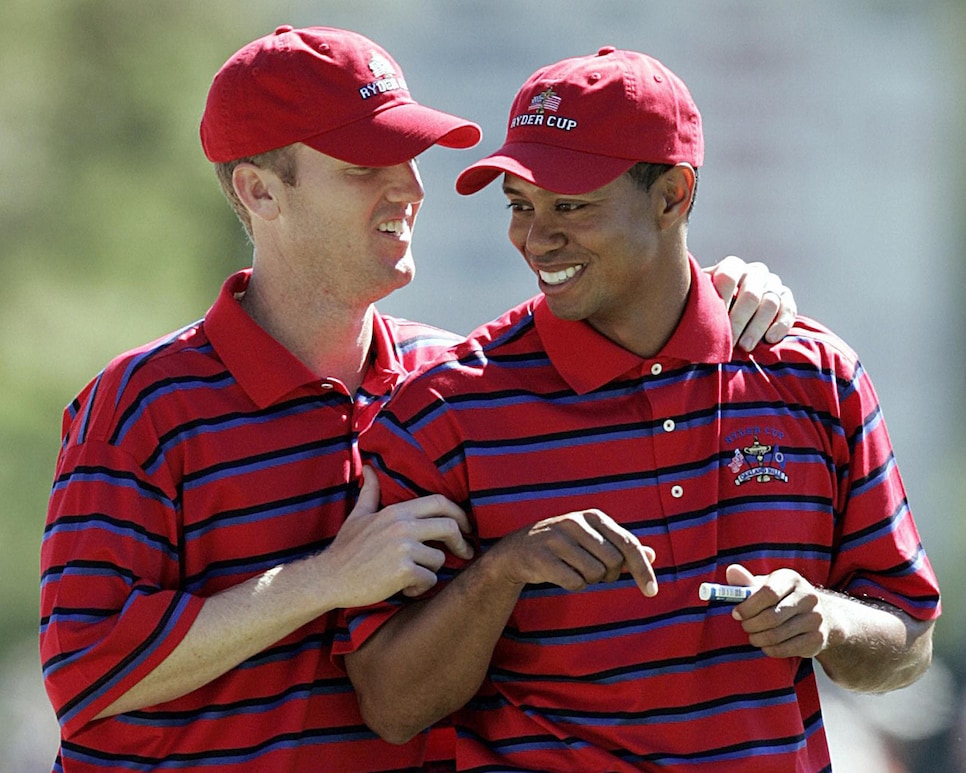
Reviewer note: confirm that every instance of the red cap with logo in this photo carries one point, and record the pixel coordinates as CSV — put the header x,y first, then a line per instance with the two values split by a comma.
x,y
579,124
334,90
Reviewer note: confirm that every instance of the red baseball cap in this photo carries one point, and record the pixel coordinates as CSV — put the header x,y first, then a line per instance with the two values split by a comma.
x,y
334,90
581,123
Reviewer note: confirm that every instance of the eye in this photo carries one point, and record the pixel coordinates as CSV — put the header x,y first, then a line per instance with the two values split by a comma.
x,y
569,206
519,206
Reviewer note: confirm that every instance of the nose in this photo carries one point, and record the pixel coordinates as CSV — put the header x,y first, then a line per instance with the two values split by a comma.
x,y
406,185
543,235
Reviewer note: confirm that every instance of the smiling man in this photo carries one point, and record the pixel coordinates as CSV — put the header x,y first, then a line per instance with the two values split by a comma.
x,y
615,452
205,521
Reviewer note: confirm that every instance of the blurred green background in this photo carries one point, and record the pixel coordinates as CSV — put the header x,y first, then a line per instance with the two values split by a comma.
x,y
113,230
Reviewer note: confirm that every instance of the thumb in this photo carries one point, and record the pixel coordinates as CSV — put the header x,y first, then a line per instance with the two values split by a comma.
x,y
368,501
738,575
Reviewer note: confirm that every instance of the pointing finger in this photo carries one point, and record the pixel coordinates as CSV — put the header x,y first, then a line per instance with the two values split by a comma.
x,y
638,558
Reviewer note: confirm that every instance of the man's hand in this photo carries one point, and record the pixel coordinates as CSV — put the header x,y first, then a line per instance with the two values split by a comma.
x,y
378,553
784,617
759,305
863,645
432,656
573,551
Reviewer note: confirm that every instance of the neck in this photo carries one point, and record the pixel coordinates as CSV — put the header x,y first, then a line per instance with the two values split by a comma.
x,y
333,342
656,313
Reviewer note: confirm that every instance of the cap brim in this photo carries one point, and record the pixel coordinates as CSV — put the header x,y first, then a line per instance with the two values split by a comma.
x,y
395,135
549,167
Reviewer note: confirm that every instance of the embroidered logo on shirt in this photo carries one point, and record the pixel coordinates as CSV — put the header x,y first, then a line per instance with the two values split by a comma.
x,y
759,462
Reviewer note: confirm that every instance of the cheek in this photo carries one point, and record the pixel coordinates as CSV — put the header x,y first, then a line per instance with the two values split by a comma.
x,y
517,233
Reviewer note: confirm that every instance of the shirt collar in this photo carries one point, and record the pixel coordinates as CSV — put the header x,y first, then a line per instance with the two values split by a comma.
x,y
386,367
264,368
587,360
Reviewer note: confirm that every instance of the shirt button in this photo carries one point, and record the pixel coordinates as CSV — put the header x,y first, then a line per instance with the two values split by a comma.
x,y
677,492
327,385
669,425
656,369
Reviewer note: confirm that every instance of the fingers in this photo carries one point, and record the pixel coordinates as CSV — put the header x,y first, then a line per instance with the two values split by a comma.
x,y
436,519
368,501
443,530
439,519
726,275
792,628
426,581
786,317
599,550
566,551
760,306
755,306
736,574
783,617
573,551
637,558
423,573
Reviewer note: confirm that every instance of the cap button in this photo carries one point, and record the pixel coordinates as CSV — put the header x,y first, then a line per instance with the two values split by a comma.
x,y
606,50
282,29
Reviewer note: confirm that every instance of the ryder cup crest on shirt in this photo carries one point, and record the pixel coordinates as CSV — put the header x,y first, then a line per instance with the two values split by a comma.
x,y
331,89
580,123
758,456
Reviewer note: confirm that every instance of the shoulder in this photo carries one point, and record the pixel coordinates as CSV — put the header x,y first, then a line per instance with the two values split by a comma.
x,y
137,377
409,335
508,334
810,344
462,367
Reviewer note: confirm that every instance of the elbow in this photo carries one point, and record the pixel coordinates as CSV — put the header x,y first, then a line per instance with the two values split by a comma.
x,y
919,642
389,708
921,660
881,669
389,723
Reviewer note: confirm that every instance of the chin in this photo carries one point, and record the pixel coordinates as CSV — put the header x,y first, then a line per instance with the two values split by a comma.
x,y
405,273
564,310
399,279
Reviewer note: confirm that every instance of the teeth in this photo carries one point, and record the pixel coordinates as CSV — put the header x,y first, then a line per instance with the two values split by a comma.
x,y
559,277
393,227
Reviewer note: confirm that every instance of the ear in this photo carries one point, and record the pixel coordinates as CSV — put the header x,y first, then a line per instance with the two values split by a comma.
x,y
677,191
255,189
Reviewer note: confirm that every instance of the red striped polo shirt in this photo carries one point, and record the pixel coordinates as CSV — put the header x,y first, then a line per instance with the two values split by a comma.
x,y
778,458
188,466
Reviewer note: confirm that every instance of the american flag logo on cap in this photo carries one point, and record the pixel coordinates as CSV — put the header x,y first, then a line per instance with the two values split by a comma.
x,y
380,66
385,76
545,100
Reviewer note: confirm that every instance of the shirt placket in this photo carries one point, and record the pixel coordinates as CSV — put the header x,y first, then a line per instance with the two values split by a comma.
x,y
683,489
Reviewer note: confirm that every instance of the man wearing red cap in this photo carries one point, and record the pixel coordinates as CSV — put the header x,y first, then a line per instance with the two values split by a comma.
x,y
619,459
201,527
193,549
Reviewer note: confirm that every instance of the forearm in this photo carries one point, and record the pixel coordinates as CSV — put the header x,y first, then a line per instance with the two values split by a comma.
x,y
872,646
431,658
232,626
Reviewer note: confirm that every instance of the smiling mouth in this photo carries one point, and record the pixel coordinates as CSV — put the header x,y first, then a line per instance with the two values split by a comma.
x,y
397,227
559,277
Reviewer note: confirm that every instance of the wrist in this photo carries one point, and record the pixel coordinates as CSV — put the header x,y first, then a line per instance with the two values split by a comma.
x,y
491,570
